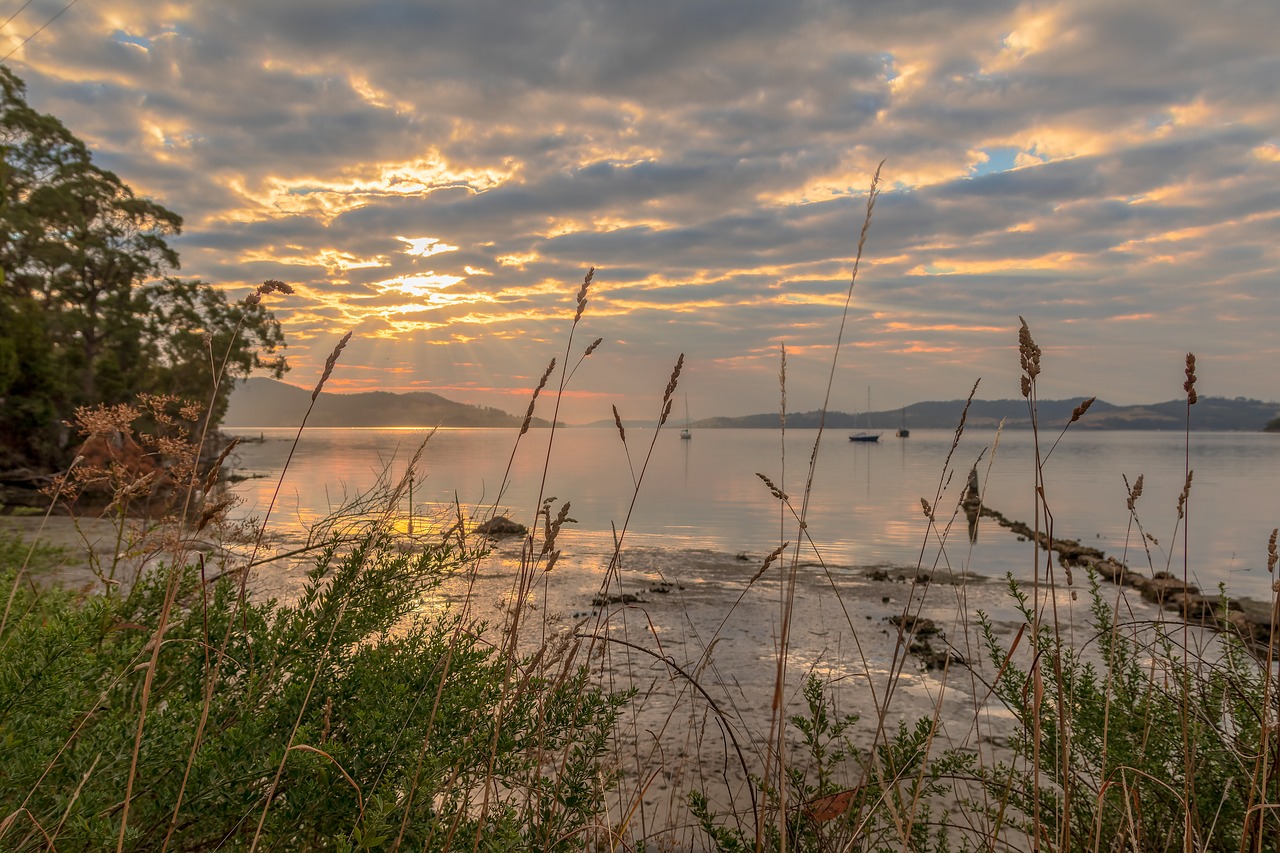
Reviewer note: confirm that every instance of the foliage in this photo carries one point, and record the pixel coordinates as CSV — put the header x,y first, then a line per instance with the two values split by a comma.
x,y
410,719
890,809
77,326
1162,743
190,322
14,551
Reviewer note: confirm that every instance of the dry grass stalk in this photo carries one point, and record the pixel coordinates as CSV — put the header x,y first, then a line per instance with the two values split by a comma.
x,y
911,613
776,770
211,678
531,558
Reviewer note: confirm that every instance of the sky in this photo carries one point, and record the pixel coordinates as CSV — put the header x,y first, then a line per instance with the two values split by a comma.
x,y
436,178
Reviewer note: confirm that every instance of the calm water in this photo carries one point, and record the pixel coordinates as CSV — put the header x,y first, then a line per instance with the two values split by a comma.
x,y
865,506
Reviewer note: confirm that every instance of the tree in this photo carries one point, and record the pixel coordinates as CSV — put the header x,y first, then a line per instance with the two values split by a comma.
x,y
88,313
29,428
201,342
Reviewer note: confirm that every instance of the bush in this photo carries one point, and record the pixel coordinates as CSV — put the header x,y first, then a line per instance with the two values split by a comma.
x,y
394,722
1149,746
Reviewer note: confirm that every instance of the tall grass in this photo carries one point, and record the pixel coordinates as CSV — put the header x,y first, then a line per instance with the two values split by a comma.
x,y
173,709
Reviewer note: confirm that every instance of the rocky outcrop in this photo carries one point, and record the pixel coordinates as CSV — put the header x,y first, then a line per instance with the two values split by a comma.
x,y
1252,620
500,527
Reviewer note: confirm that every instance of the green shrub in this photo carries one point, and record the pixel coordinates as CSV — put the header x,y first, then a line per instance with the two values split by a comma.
x,y
1162,742
410,720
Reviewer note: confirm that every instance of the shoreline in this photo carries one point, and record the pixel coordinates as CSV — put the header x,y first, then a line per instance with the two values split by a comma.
x,y
1253,621
668,618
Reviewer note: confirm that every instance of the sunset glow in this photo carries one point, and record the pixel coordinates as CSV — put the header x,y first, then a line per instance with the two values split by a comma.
x,y
439,187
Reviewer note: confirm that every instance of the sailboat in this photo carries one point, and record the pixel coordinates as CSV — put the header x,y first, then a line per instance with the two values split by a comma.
x,y
903,432
866,435
685,433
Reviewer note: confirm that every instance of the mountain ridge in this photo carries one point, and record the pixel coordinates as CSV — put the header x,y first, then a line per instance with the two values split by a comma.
x,y
1209,413
265,403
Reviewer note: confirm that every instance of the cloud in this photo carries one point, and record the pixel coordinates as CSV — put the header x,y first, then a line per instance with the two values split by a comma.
x,y
439,177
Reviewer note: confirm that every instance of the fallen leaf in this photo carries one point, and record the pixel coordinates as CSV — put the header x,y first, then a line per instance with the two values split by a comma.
x,y
831,806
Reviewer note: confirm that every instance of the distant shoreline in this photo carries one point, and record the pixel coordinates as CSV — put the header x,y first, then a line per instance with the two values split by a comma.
x,y
267,403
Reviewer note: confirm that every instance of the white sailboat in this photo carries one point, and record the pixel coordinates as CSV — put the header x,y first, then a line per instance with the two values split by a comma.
x,y
685,433
866,435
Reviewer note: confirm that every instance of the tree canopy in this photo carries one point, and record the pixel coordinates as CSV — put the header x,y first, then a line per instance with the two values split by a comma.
x,y
89,311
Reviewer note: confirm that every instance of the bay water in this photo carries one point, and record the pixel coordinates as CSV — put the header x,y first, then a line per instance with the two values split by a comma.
x,y
670,495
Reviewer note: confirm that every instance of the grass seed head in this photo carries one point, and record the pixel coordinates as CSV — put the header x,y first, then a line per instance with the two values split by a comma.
x,y
1029,356
1079,410
1190,385
211,512
274,286
769,561
674,380
267,287
1135,491
212,478
773,489
329,365
617,420
782,385
542,383
671,389
582,294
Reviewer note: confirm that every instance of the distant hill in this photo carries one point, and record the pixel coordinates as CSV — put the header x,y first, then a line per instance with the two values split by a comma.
x,y
1209,413
259,402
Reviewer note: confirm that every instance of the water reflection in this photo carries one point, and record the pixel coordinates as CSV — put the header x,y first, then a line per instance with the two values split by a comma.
x,y
865,507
